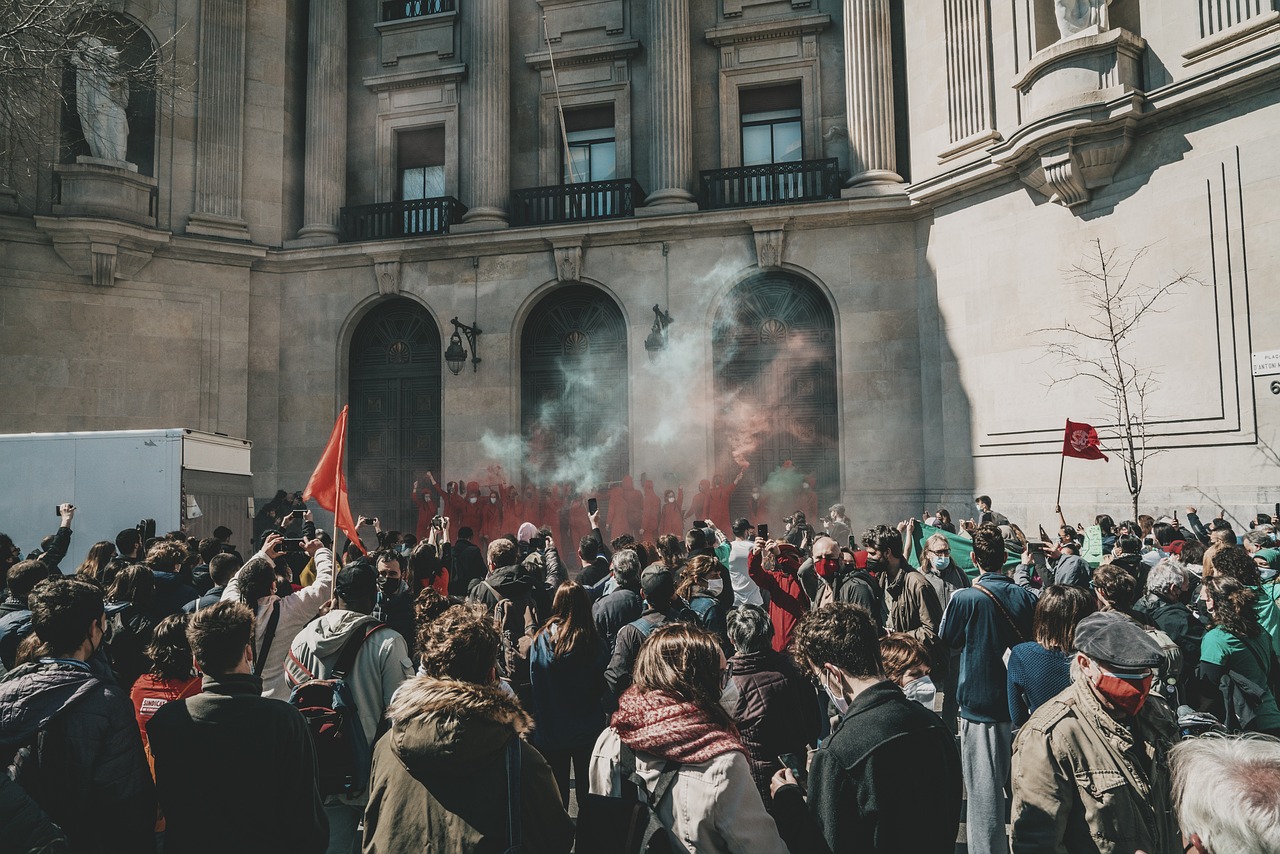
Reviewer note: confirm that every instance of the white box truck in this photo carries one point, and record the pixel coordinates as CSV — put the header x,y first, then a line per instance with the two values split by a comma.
x,y
181,478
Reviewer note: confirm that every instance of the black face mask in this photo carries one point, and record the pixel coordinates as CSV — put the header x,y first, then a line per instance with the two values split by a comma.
x,y
390,586
876,565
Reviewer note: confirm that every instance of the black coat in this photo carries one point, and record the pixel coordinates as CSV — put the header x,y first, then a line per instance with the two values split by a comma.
x,y
776,713
23,825
236,773
887,779
468,566
89,773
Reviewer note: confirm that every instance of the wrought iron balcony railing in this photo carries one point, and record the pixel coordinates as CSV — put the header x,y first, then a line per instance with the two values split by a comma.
x,y
771,184
413,218
396,10
575,202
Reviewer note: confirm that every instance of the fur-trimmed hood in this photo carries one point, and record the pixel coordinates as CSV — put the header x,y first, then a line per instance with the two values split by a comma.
x,y
444,721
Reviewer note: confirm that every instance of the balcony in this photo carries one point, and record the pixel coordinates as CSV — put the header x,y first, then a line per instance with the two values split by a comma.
x,y
389,220
771,184
398,10
575,202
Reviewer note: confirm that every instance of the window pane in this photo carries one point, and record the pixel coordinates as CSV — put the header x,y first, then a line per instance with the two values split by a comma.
x,y
433,182
412,184
577,169
756,145
786,142
604,161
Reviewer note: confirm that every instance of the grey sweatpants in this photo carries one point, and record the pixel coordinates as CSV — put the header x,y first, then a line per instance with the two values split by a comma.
x,y
985,754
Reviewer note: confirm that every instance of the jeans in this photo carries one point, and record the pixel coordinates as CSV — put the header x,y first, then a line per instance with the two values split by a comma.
x,y
344,828
985,754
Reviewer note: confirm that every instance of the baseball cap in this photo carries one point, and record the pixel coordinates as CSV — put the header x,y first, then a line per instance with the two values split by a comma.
x,y
658,583
357,580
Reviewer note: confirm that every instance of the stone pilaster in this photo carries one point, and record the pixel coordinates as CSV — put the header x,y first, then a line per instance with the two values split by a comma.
x,y
868,63
671,165
325,163
220,128
490,116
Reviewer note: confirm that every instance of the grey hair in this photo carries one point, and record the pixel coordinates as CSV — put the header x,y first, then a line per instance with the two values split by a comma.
x,y
1259,537
1224,790
1165,574
749,628
626,567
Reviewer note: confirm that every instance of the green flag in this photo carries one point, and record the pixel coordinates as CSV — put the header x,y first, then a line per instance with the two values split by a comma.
x,y
961,549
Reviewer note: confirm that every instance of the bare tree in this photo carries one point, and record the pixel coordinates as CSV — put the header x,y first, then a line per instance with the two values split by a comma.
x,y
1098,348
38,41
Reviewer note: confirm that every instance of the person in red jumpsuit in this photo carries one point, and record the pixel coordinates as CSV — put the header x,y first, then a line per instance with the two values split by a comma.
x,y
626,505
700,505
472,514
718,506
672,514
652,507
426,510
758,507
491,517
450,501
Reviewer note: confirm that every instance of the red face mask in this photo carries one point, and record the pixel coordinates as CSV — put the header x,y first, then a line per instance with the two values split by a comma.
x,y
826,567
1127,695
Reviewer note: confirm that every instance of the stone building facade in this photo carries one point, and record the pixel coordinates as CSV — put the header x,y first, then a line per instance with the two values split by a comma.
x,y
860,216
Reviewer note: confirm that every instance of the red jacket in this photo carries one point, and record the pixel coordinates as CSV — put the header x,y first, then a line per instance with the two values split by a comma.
x,y
787,600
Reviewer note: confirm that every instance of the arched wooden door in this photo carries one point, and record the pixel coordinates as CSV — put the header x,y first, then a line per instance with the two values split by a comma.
x,y
775,389
395,420
573,388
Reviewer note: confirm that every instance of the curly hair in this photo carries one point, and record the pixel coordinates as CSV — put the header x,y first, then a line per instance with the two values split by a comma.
x,y
683,661
167,556
841,634
169,650
461,644
1116,586
696,574
1234,562
1234,606
883,539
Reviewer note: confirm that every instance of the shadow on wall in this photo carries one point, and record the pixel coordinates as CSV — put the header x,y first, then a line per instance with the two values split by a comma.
x,y
946,421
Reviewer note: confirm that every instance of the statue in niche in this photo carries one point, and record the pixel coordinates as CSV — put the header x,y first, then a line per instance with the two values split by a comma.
x,y
102,96
1075,17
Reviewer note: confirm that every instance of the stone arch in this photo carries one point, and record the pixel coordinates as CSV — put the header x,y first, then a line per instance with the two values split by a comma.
x,y
394,391
775,383
574,387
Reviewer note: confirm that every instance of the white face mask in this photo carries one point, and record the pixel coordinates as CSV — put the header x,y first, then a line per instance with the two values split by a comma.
x,y
922,690
837,698
472,499
940,563
755,494
729,697
671,499
715,586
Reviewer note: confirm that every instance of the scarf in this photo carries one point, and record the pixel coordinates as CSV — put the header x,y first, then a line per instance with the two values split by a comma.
x,y
670,729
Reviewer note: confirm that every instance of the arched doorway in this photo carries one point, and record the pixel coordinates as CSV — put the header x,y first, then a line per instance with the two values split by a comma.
x,y
775,386
573,388
394,394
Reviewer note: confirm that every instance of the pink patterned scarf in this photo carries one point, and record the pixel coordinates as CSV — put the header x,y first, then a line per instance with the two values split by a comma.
x,y
670,729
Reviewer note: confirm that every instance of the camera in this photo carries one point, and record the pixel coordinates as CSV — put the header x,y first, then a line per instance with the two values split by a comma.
x,y
437,522
291,544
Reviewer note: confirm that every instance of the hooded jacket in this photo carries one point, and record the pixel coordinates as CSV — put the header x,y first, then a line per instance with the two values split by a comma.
x,y
787,600
1077,786
381,665
440,779
507,582
89,773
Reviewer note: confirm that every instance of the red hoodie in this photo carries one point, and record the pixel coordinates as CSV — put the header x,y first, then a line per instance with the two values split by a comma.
x,y
787,600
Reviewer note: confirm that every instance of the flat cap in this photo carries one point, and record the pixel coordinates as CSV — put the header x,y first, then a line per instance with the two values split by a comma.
x,y
1110,637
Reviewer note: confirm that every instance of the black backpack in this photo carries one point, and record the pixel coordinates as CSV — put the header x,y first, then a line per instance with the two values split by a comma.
x,y
343,754
628,824
518,623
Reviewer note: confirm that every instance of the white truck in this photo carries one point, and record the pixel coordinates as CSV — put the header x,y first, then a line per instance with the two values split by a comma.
x,y
183,479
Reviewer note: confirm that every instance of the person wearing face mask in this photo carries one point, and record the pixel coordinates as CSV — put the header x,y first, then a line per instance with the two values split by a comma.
x,y
910,598
675,717
887,779
907,665
87,770
703,586
1166,605
775,706
1090,768
672,514
773,566
393,604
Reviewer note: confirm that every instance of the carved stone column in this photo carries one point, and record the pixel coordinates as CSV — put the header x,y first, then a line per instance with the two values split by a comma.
x,y
868,62
490,139
671,165
220,128
325,160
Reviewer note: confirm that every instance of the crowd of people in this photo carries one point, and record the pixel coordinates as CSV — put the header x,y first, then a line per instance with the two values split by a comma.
x,y
709,689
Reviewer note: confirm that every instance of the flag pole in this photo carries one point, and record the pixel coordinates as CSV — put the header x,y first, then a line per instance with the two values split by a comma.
x,y
1062,465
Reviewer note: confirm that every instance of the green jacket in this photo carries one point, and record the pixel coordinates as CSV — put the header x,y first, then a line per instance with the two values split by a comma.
x,y
439,779
1078,786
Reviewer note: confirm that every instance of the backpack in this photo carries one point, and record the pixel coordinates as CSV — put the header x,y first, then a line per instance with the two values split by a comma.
x,y
517,623
343,753
1168,681
628,824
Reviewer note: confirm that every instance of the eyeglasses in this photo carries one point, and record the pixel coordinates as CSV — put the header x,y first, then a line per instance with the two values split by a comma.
x,y
940,551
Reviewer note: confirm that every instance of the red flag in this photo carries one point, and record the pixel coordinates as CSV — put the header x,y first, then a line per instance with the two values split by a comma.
x,y
1081,441
328,484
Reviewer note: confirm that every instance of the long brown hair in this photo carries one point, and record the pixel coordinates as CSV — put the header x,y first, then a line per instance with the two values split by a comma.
x,y
571,617
697,573
100,554
683,661
1234,606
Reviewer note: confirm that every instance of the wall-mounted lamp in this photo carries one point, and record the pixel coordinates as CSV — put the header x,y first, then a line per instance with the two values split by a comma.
x,y
657,340
456,356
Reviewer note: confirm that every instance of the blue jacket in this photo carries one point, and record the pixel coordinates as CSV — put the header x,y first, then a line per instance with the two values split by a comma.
x,y
982,632
567,694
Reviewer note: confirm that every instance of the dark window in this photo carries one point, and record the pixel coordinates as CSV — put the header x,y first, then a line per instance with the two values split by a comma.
x,y
592,153
420,162
771,128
